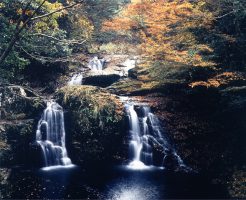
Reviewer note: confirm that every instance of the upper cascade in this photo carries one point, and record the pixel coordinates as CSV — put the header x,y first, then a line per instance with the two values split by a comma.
x,y
149,145
96,64
76,79
51,135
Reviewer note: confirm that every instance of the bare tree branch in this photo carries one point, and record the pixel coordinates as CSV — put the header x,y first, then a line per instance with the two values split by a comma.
x,y
47,59
65,41
222,16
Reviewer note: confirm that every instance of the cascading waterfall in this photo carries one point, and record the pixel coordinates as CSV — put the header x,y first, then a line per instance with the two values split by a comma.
x,y
50,135
145,133
76,79
96,64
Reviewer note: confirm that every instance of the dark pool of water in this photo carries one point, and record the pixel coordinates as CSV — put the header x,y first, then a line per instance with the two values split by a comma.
x,y
112,183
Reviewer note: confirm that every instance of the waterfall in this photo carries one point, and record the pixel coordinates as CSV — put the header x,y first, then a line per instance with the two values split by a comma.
x,y
50,135
145,135
96,64
76,79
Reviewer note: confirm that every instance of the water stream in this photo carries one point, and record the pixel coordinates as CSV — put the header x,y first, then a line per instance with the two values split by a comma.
x,y
50,135
76,79
150,152
96,64
149,144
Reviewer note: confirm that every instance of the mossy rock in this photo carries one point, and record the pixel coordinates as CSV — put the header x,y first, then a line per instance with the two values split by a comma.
x,y
93,123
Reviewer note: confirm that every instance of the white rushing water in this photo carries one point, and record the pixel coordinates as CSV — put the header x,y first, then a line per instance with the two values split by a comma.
x,y
145,132
96,64
76,79
51,135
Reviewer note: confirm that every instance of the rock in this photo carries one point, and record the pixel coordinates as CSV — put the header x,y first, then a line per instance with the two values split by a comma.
x,y
15,137
101,80
18,103
20,110
4,184
132,73
93,123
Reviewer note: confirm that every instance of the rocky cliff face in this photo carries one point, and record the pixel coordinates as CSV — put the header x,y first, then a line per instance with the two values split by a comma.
x,y
19,110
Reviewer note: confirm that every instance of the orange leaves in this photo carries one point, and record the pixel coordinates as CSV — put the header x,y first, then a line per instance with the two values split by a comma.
x,y
119,24
165,28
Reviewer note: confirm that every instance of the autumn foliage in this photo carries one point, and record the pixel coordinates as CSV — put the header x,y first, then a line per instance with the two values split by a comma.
x,y
165,29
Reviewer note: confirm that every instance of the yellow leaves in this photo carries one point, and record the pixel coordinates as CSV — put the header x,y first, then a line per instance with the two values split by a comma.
x,y
119,24
82,27
41,26
222,79
87,26
50,7
20,11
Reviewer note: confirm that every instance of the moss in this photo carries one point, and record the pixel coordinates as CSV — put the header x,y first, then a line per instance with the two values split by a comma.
x,y
93,120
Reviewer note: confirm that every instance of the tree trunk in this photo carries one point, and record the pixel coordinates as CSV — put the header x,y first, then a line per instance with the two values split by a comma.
x,y
9,48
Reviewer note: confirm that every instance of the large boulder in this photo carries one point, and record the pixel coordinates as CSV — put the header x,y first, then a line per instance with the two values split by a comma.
x,y
17,102
93,123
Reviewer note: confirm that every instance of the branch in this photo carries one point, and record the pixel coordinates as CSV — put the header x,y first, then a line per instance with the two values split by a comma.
x,y
55,11
46,59
222,16
59,40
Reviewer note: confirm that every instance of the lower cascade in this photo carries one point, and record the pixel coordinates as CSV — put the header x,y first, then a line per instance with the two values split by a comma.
x,y
149,145
50,135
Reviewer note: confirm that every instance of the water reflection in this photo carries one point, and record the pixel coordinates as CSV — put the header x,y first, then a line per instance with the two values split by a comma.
x,y
117,183
134,185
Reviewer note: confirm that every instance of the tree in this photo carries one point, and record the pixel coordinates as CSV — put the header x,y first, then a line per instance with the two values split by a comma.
x,y
228,36
197,33
165,28
32,29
